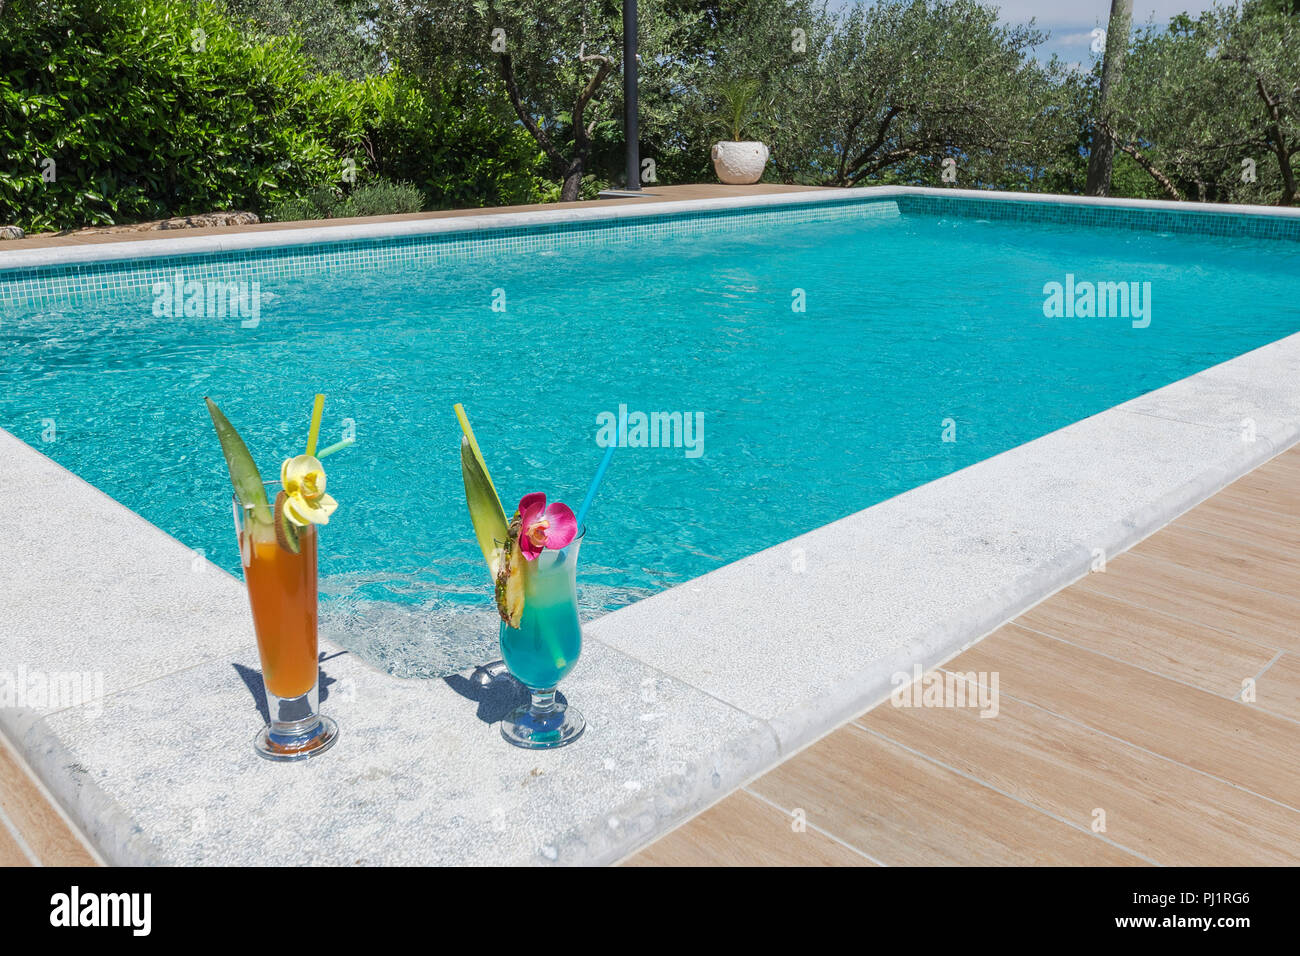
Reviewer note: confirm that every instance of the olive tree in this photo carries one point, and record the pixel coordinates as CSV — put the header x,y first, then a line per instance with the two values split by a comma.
x,y
1159,115
338,35
887,91
559,62
1210,107
1263,50
1101,155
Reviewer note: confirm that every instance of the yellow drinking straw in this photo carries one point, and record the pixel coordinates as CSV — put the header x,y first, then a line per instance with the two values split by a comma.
x,y
473,444
314,434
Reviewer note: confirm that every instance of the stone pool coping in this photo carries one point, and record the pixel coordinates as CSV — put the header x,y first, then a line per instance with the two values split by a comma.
x,y
64,240
260,237
689,693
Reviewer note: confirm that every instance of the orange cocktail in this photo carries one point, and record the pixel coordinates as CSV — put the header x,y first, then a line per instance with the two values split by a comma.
x,y
275,524
282,593
280,571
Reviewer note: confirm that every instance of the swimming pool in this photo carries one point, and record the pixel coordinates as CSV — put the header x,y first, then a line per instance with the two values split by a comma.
x,y
829,354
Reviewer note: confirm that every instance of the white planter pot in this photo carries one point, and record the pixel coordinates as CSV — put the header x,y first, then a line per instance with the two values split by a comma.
x,y
739,164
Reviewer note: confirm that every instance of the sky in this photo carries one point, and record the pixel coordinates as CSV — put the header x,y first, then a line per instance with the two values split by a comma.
x,y
1071,22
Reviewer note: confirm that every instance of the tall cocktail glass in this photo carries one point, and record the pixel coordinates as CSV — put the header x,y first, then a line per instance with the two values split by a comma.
x,y
282,595
544,648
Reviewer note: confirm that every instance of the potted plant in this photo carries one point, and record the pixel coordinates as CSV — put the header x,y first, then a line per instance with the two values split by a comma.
x,y
738,161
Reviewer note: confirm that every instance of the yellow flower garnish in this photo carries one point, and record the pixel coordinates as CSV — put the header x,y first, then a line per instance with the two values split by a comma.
x,y
303,479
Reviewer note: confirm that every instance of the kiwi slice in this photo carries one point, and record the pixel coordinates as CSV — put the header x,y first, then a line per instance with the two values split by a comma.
x,y
286,532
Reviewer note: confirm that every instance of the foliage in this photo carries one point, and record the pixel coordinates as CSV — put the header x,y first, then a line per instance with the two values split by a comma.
x,y
378,197
558,63
885,92
336,35
132,116
1208,100
123,110
381,198
740,107
448,138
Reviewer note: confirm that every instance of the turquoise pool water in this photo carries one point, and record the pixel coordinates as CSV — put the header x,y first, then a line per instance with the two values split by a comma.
x,y
909,323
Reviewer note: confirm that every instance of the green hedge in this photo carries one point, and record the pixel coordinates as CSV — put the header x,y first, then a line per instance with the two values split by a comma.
x,y
156,108
458,143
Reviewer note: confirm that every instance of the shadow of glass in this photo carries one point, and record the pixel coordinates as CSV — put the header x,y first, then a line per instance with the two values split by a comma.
x,y
253,681
493,689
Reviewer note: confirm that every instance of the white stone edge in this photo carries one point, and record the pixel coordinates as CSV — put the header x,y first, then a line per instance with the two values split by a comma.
x,y
286,238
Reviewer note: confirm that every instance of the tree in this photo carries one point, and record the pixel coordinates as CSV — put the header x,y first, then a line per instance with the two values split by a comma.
x,y
886,92
1157,109
336,34
1210,108
555,61
1265,49
1103,144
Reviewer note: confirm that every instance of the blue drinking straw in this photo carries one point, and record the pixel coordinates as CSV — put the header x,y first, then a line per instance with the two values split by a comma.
x,y
595,484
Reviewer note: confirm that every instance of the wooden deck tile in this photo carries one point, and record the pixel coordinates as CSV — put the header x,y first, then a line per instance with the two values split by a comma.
x,y
1274,486
1239,520
743,830
1186,651
1260,616
42,827
11,854
1241,561
1278,690
1164,811
905,810
1227,739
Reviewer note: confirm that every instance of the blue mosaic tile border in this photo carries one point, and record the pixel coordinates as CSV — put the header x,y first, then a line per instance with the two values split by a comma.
x,y
92,282
1184,220
88,283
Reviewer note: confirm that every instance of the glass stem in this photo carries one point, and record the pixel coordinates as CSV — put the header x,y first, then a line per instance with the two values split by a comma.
x,y
543,701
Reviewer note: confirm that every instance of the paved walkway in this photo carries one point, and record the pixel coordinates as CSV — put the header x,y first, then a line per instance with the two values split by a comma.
x,y
653,194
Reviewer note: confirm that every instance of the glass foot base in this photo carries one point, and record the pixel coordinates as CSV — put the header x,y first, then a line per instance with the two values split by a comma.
x,y
536,728
273,744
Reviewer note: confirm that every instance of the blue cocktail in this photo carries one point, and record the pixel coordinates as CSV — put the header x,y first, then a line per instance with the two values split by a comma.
x,y
544,648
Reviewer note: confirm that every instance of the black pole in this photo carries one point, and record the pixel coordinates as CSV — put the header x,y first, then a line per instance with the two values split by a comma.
x,y
629,95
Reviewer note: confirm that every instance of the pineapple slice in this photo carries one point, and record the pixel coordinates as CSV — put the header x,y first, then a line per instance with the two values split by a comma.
x,y
510,576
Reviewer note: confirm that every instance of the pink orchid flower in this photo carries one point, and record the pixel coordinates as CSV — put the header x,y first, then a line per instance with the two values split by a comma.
x,y
544,527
